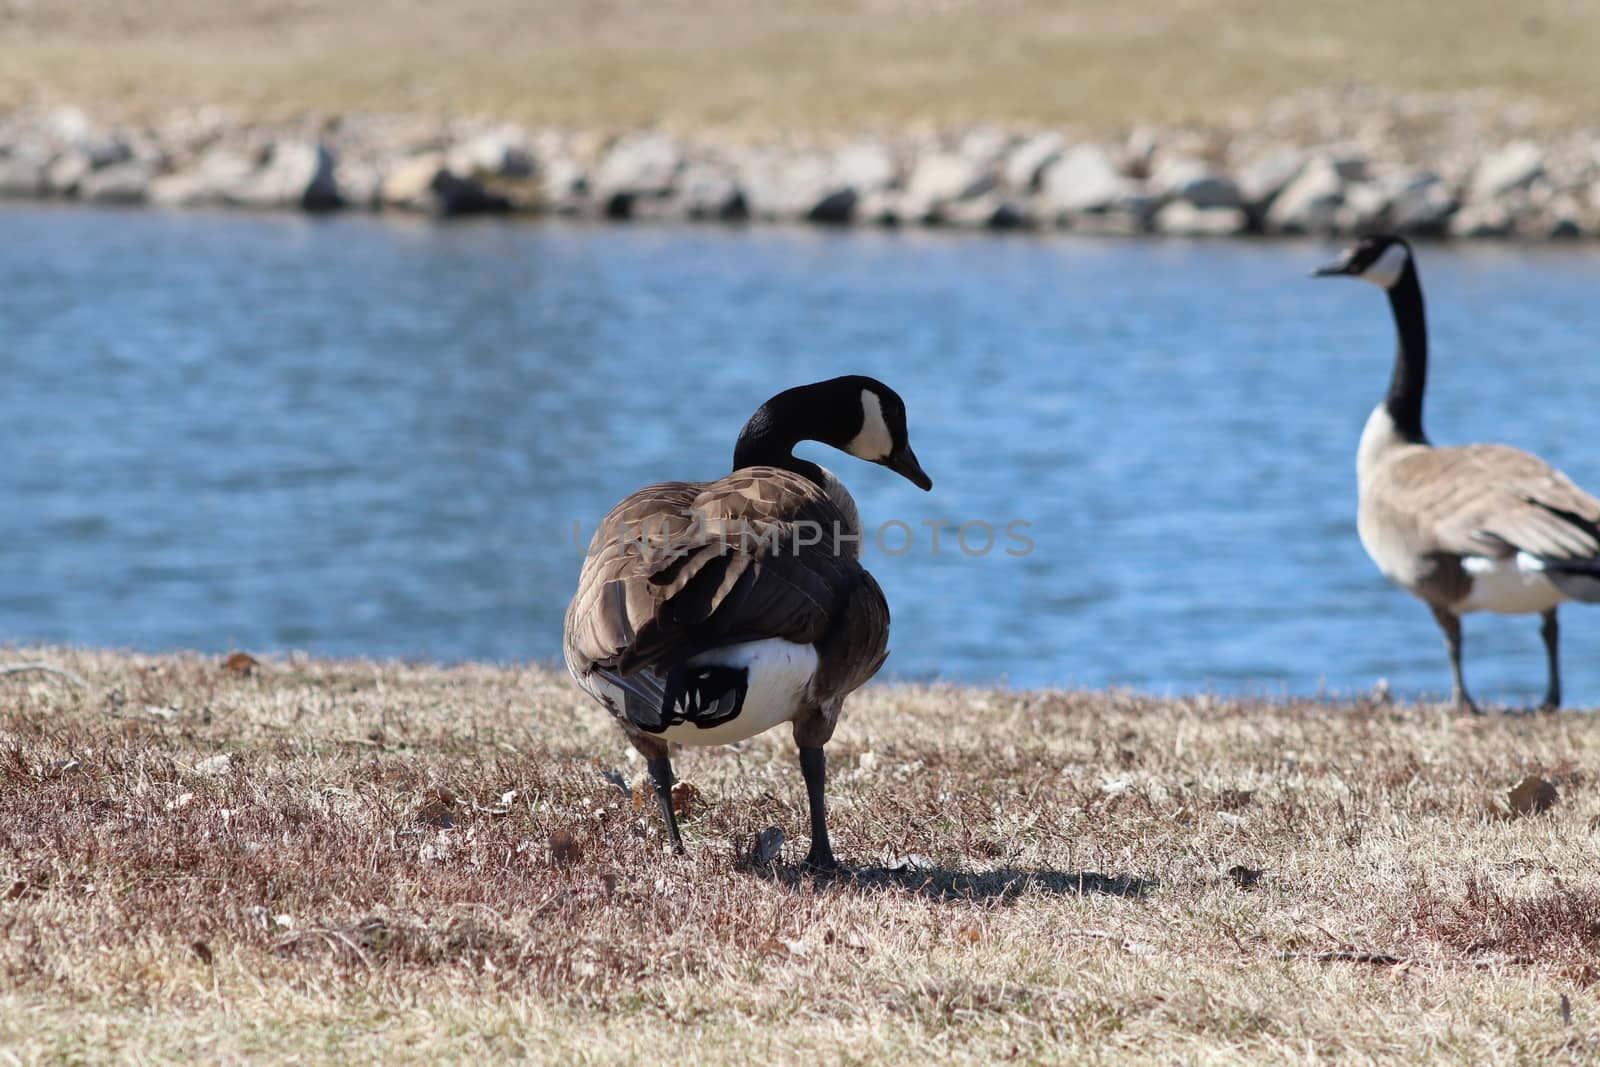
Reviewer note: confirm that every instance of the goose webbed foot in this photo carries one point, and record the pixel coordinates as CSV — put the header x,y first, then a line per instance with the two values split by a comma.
x,y
661,776
821,861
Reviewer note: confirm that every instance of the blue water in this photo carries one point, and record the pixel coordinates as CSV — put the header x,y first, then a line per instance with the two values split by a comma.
x,y
375,437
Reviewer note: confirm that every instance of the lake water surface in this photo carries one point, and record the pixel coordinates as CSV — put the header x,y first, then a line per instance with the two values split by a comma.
x,y
369,437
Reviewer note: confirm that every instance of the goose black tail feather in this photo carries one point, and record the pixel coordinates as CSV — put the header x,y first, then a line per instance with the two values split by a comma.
x,y
706,696
1578,578
1588,526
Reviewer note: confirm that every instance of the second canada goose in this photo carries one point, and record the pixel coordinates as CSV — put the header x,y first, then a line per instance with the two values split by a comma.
x,y
1471,528
708,612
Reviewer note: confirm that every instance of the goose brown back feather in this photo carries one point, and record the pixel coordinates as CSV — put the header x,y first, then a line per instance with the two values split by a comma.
x,y
1474,500
680,568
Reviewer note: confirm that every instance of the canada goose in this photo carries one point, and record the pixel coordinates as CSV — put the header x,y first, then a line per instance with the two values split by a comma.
x,y
708,612
1470,528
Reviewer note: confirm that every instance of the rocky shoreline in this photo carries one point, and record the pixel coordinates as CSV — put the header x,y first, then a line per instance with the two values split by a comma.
x,y
1331,164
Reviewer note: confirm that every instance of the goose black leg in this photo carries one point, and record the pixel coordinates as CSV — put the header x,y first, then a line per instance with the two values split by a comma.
x,y
1551,632
1450,623
661,774
814,766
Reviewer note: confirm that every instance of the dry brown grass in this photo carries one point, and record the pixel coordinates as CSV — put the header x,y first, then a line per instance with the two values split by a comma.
x,y
413,864
818,63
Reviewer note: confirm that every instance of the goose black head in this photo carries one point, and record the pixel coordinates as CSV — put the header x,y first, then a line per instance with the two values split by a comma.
x,y
1380,259
854,414
877,433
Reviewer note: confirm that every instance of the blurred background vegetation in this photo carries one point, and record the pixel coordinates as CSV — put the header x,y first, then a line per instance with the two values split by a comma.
x,y
770,64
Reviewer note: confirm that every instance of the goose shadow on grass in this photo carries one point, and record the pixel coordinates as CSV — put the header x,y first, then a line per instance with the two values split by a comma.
x,y
951,885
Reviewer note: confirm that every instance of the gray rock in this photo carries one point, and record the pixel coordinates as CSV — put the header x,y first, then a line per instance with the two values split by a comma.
x,y
1352,168
1365,208
120,183
1562,218
864,167
1422,208
785,188
879,209
1028,160
711,193
834,209
425,183
1262,177
1486,219
1183,218
503,152
1138,202
1139,150
69,125
1197,182
566,182
296,174
1513,167
219,169
69,168
637,165
408,183
1310,203
1211,191
450,195
1009,214
984,146
24,174
940,178
103,150
1082,180
360,183
991,211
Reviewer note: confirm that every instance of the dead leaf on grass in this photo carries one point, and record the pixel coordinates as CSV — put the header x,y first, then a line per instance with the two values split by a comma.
x,y
766,845
686,800
1245,877
1531,796
436,809
1234,799
564,848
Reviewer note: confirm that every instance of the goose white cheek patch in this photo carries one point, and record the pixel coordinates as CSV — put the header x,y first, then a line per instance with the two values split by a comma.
x,y
874,442
1387,268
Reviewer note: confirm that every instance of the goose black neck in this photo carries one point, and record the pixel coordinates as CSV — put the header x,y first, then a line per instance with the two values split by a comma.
x,y
1410,377
768,439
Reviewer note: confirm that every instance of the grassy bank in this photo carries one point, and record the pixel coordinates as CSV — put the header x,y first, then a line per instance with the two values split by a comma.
x,y
769,64
387,863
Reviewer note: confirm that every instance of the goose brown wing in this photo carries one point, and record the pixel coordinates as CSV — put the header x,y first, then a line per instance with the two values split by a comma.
x,y
750,556
607,609
1487,500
